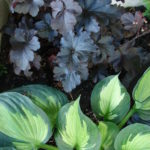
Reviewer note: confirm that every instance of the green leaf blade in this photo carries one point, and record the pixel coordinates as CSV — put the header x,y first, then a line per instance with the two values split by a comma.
x,y
142,91
6,142
75,130
141,95
133,137
23,121
108,131
110,100
47,98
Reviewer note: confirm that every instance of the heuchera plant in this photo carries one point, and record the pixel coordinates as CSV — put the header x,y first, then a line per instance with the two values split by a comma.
x,y
31,114
84,35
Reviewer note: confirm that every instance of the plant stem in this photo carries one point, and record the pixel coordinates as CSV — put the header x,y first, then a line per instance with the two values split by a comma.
x,y
130,113
139,36
47,147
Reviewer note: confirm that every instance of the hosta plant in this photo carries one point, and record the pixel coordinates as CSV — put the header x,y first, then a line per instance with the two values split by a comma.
x,y
111,102
29,115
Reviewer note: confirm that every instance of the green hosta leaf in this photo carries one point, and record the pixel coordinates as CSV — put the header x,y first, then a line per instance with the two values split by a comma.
x,y
133,137
23,121
108,132
6,142
47,98
4,11
75,130
142,89
110,100
141,95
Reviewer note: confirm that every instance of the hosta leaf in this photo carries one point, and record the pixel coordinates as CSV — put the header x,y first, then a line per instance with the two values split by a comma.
x,y
142,89
110,100
75,130
6,142
133,137
23,121
47,98
141,95
108,132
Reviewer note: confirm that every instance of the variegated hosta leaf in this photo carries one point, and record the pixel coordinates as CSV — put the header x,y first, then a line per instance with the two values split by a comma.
x,y
75,130
110,100
6,142
47,98
141,95
108,132
133,137
23,121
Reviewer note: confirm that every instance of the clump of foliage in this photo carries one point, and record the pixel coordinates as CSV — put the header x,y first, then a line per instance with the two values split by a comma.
x,y
31,114
87,33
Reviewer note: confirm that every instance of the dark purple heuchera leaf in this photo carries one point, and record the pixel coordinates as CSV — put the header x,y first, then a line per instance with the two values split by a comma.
x,y
27,6
133,23
64,14
73,59
92,26
71,74
129,58
77,47
101,10
24,43
44,28
106,49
